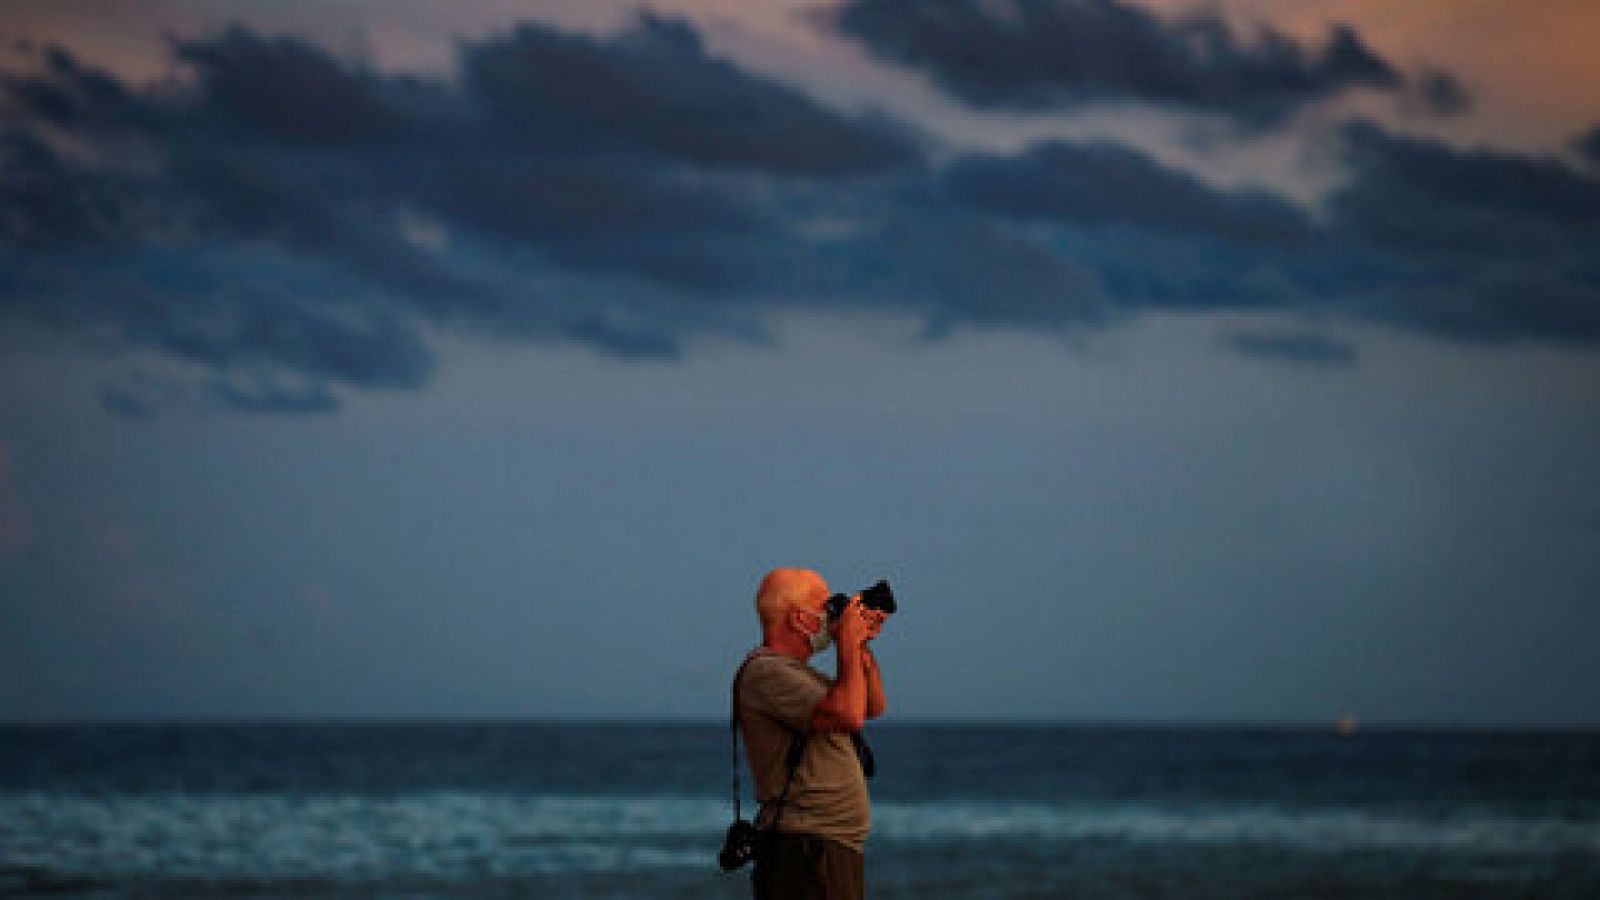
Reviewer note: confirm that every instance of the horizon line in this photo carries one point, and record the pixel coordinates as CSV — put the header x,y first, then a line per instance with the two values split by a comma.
x,y
1130,723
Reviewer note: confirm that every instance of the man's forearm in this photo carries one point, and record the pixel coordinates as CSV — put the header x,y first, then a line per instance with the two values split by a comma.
x,y
876,702
843,708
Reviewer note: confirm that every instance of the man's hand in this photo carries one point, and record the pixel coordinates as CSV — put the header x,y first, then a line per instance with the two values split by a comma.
x,y
856,626
875,619
843,709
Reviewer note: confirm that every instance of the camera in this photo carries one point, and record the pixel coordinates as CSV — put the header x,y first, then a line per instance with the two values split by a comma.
x,y
879,597
739,846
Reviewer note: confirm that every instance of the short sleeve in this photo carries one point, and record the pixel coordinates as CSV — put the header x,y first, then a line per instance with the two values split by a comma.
x,y
785,693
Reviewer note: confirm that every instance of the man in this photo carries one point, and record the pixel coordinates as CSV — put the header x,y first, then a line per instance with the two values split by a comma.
x,y
816,851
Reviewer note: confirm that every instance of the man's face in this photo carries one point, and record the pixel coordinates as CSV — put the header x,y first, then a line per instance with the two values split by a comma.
x,y
810,611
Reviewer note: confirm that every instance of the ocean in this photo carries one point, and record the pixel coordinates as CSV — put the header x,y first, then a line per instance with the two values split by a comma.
x,y
632,810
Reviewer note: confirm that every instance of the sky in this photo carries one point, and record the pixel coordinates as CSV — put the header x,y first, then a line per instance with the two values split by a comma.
x,y
1224,362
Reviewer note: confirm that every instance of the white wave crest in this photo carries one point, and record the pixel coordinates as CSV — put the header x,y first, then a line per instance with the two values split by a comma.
x,y
1329,829
467,834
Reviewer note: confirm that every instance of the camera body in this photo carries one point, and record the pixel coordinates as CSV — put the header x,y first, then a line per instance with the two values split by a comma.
x,y
739,846
880,597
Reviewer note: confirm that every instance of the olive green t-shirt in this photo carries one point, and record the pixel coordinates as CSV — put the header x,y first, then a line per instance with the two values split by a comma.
x,y
777,696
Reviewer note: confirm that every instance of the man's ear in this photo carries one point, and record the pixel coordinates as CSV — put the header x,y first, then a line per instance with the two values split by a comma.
x,y
797,621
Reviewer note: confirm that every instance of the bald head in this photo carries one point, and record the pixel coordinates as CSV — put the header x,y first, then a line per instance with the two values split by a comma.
x,y
785,589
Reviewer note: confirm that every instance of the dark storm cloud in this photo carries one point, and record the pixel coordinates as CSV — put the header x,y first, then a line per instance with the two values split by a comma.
x,y
287,209
1461,244
1442,94
1589,145
73,95
288,224
1482,245
1065,53
655,92
953,271
282,89
1425,196
474,161
1105,183
224,310
1146,237
603,215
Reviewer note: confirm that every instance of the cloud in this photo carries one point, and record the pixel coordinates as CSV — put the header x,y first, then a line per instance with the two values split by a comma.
x,y
1069,53
1477,244
273,219
653,91
287,225
72,95
1425,196
1442,94
603,215
1301,347
144,394
1100,183
1588,144
954,271
273,397
253,87
1146,236
227,307
1472,244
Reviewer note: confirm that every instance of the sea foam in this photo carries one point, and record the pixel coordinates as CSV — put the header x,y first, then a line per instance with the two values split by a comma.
x,y
456,834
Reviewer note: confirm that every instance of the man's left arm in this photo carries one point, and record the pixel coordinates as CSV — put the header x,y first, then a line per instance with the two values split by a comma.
x,y
876,703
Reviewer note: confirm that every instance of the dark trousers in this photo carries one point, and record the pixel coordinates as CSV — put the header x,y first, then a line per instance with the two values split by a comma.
x,y
808,867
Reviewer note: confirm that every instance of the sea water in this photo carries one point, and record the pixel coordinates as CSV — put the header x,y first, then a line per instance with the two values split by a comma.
x,y
583,810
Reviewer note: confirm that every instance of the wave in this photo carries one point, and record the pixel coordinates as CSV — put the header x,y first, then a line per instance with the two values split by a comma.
x,y
452,834
1321,829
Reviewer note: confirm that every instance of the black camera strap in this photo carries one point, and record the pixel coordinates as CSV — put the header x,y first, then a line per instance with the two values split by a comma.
x,y
797,749
869,766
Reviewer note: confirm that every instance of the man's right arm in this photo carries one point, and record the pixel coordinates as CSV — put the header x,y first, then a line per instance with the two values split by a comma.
x,y
843,709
